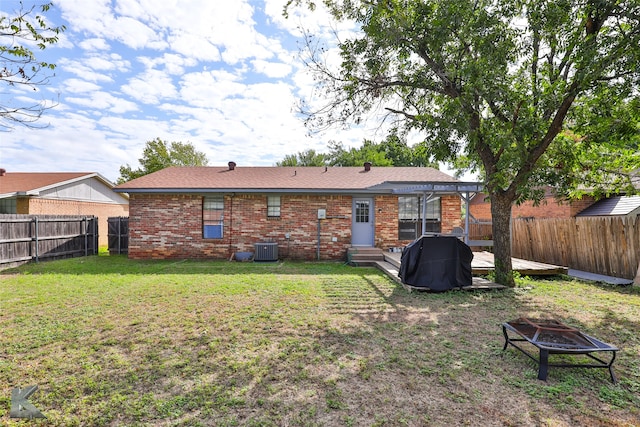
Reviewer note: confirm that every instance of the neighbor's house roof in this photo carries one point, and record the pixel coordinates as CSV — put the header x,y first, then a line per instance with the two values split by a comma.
x,y
33,183
613,206
284,179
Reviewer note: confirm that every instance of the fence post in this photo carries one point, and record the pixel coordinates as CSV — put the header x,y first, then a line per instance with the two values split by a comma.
x,y
636,281
86,236
36,232
119,235
96,236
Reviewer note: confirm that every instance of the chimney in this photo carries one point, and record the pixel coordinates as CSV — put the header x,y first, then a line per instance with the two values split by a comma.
x,y
232,165
367,166
3,172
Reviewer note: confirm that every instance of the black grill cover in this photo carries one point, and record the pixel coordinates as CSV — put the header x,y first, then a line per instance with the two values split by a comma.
x,y
436,263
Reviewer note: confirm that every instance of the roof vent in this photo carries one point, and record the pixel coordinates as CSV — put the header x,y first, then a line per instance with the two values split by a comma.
x,y
232,165
367,166
3,172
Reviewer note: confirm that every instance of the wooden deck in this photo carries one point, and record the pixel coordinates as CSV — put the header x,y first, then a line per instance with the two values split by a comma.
x,y
483,263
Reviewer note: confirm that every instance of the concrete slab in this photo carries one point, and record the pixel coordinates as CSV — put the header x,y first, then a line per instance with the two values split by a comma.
x,y
585,275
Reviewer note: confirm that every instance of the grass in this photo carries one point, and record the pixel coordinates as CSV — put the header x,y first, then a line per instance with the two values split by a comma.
x,y
110,341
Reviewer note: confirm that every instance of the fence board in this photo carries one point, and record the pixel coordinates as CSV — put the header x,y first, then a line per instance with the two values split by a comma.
x,y
118,235
34,237
609,245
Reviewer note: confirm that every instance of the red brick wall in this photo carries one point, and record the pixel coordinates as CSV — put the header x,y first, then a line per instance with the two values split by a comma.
x,y
163,226
248,224
36,206
547,208
170,226
578,206
167,227
480,207
451,207
386,222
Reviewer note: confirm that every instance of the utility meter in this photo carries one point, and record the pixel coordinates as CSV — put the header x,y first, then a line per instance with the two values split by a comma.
x,y
322,214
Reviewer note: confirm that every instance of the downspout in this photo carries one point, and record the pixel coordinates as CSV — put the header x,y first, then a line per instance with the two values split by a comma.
x,y
318,245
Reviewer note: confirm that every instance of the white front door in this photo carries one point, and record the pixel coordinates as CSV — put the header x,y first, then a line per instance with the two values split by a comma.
x,y
362,230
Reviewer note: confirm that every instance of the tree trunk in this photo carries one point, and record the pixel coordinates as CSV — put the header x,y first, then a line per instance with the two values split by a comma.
x,y
501,218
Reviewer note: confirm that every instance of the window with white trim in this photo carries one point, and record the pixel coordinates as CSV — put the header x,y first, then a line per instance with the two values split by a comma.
x,y
273,206
213,217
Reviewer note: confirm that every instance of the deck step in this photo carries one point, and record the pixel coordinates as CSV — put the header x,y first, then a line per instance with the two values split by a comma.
x,y
364,256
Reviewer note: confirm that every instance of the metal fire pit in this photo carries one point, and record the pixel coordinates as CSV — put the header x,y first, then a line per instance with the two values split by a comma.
x,y
553,337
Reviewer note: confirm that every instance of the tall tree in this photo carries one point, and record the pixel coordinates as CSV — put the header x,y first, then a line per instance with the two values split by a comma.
x,y
368,152
304,158
392,151
158,155
490,83
19,67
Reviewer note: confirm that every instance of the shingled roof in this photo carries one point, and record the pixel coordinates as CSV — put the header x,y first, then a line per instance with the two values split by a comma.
x,y
31,183
613,206
282,179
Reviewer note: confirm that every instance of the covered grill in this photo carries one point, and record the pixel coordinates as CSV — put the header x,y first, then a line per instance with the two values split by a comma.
x,y
438,263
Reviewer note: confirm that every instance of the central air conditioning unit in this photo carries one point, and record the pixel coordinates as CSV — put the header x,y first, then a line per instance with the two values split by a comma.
x,y
266,251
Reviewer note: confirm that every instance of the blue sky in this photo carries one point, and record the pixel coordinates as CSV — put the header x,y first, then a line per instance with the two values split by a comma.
x,y
224,76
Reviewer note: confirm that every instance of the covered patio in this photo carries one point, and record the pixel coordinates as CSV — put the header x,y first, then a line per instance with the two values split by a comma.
x,y
430,190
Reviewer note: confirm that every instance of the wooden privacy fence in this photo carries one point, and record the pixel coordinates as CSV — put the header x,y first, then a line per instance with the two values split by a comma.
x,y
118,235
25,238
480,231
609,246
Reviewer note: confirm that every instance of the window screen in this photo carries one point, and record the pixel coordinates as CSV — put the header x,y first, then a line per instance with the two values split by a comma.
x,y
212,217
8,206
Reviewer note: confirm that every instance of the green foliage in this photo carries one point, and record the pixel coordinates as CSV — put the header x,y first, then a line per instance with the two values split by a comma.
x,y
304,158
158,155
369,152
393,151
19,65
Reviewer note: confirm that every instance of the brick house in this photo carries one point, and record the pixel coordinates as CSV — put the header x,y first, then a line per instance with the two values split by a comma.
x,y
549,207
62,193
308,212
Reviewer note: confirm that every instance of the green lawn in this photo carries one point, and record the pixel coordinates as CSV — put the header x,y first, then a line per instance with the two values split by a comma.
x,y
111,341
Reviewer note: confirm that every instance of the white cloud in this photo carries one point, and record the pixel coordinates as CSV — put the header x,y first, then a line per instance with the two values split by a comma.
x,y
77,86
204,71
150,87
94,44
83,68
171,63
194,46
271,69
103,102
104,63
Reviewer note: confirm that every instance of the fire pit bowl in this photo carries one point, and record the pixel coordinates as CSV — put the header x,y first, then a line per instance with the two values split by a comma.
x,y
550,336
